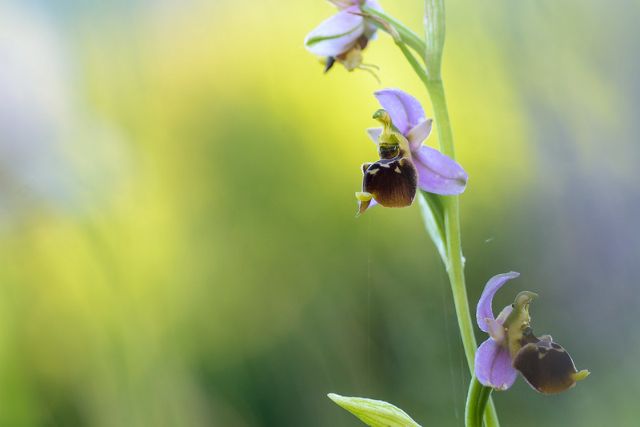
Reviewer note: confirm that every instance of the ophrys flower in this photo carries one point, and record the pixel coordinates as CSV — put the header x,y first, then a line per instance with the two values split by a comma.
x,y
342,37
512,346
405,163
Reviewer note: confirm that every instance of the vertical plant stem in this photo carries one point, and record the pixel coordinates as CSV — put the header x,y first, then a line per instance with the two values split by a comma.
x,y
434,26
476,403
455,264
454,258
431,78
471,418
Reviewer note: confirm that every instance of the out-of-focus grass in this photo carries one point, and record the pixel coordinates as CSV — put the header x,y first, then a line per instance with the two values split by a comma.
x,y
223,279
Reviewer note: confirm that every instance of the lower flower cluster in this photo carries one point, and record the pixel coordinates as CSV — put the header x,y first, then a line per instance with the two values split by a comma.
x,y
512,346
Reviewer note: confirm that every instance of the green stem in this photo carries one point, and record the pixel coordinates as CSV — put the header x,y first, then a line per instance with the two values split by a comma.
x,y
430,77
434,28
476,402
409,37
413,62
434,46
455,264
484,399
455,260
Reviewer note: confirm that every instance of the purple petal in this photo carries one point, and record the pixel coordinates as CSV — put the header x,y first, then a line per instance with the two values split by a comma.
x,y
418,134
493,366
337,34
405,111
343,4
484,310
502,317
373,4
438,173
496,330
374,134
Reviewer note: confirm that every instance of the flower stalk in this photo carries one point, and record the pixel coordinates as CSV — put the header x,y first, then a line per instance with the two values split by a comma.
x,y
434,26
455,260
430,75
435,36
476,403
407,36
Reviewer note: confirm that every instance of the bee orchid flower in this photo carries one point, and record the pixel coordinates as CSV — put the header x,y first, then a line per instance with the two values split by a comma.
x,y
400,144
512,347
342,37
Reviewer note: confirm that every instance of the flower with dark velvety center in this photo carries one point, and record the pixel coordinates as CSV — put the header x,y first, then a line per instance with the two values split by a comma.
x,y
342,37
392,180
405,128
512,347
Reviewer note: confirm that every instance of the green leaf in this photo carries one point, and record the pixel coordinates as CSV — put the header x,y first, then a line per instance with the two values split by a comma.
x,y
432,208
374,413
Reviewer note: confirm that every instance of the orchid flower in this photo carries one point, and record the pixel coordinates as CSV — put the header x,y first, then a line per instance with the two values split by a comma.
x,y
512,347
343,36
405,163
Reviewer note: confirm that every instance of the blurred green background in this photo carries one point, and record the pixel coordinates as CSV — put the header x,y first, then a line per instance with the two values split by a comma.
x,y
178,244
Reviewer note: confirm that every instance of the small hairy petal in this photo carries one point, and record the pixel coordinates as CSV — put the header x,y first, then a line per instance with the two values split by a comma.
x,y
418,134
336,35
504,314
493,366
437,173
405,111
496,330
484,310
374,134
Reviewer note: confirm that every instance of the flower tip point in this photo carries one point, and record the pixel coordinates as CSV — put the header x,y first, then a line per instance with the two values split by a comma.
x,y
579,376
364,198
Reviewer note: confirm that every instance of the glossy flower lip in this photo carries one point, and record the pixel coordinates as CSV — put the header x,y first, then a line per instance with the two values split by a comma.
x,y
437,173
493,366
391,181
342,34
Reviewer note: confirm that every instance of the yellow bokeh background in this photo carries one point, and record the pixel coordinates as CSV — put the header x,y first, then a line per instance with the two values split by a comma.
x,y
178,243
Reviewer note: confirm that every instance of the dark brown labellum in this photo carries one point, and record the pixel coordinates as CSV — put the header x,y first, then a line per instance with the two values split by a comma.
x,y
546,366
392,182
